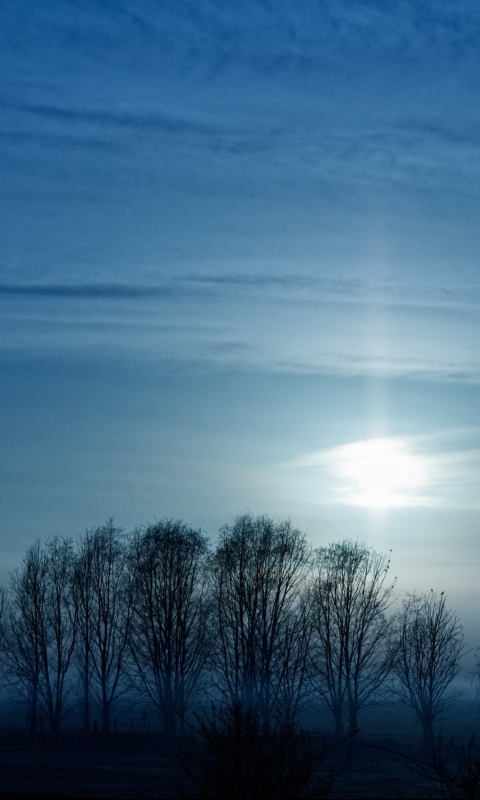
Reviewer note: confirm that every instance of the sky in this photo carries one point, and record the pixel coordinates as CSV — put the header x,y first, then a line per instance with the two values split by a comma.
x,y
239,269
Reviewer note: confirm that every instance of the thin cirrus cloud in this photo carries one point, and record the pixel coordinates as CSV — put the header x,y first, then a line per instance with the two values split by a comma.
x,y
258,32
318,288
302,325
187,135
396,472
391,150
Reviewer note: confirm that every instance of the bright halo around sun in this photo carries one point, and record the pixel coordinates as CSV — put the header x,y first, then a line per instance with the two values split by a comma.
x,y
379,473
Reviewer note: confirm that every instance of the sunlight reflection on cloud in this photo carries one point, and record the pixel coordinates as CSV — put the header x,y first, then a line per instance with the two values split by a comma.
x,y
379,473
395,472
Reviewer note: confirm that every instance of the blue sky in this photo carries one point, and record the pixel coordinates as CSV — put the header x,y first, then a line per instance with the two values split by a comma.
x,y
237,238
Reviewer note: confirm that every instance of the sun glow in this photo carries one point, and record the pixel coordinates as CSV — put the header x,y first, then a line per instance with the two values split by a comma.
x,y
379,473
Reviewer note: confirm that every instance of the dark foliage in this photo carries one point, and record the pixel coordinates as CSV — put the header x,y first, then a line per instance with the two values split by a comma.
x,y
236,755
451,771
445,769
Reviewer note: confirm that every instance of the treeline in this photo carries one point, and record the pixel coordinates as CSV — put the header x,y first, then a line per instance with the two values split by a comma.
x,y
263,620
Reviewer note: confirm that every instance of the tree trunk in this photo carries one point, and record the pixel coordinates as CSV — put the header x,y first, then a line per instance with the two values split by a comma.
x,y
33,714
169,718
105,711
338,722
427,725
86,706
55,726
353,718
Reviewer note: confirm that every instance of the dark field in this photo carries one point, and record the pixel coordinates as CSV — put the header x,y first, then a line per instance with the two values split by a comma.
x,y
122,767
144,766
143,763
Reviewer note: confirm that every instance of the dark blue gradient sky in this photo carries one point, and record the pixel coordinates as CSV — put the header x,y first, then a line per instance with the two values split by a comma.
x,y
235,238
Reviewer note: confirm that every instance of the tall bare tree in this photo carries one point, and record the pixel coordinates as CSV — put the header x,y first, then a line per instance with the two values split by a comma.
x,y
428,647
25,629
4,608
295,638
104,598
58,642
351,658
261,627
84,601
40,635
169,634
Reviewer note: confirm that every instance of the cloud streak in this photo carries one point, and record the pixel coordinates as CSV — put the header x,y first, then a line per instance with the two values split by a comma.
x,y
231,175
297,326
288,288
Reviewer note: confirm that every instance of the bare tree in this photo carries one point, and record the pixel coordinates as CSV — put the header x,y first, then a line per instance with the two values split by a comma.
x,y
169,635
448,769
58,642
25,628
295,637
350,596
4,608
104,600
40,635
84,601
428,647
261,624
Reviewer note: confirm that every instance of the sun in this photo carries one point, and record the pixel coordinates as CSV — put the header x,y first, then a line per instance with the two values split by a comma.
x,y
379,473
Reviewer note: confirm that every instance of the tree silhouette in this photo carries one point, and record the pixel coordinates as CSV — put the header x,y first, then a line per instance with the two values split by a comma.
x,y
428,647
105,606
261,624
169,633
350,657
40,633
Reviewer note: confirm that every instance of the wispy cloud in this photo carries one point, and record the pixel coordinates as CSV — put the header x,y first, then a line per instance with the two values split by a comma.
x,y
79,125
159,122
384,293
298,327
229,214
276,37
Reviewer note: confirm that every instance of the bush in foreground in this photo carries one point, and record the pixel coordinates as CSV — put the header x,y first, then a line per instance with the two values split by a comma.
x,y
236,755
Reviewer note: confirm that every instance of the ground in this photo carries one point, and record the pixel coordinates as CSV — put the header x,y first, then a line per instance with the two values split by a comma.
x,y
144,766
